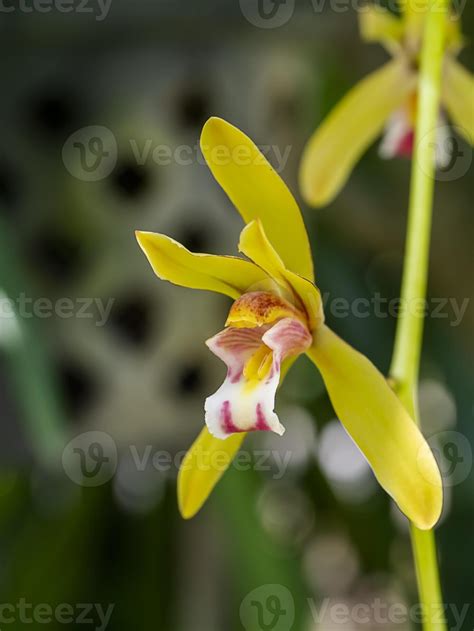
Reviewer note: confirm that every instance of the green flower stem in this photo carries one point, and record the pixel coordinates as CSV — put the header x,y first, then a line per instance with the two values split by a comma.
x,y
408,341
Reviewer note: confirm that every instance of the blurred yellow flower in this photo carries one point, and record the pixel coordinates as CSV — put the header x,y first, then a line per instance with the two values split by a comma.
x,y
387,97
277,315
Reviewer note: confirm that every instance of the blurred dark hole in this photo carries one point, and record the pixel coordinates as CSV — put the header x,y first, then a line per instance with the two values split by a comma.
x,y
131,318
53,111
58,256
77,385
14,447
131,180
285,110
190,379
9,188
194,108
195,238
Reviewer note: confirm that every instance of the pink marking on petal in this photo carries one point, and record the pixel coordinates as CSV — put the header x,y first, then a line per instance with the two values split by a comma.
x,y
237,376
287,337
226,418
261,423
234,346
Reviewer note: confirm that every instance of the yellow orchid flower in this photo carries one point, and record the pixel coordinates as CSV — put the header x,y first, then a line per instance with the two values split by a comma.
x,y
276,316
387,98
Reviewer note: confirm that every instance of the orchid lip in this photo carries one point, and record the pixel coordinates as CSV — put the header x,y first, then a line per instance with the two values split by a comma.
x,y
253,355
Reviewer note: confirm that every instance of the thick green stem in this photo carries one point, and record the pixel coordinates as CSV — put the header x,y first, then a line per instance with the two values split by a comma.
x,y
406,358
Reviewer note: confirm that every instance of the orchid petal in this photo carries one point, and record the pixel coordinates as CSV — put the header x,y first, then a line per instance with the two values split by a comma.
x,y
412,8
255,244
381,427
415,13
350,128
458,97
454,37
257,191
171,261
203,466
377,24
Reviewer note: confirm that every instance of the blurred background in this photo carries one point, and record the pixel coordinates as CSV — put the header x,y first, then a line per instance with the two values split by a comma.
x,y
102,364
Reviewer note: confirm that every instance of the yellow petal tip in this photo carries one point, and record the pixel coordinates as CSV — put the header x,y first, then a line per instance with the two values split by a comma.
x,y
213,125
189,503
186,510
428,518
213,120
313,195
141,237
186,515
429,521
202,468
429,504
183,498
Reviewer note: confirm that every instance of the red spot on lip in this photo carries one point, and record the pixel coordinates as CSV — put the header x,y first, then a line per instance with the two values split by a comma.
x,y
406,145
